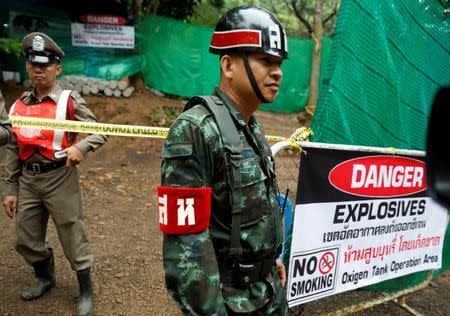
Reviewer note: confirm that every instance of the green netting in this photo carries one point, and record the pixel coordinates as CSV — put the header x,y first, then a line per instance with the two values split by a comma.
x,y
104,63
386,63
178,62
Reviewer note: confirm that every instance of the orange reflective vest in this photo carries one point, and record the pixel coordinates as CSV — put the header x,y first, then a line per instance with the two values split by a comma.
x,y
46,142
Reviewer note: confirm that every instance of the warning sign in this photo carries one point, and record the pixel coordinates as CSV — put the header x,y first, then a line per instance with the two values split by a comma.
x,y
361,218
313,274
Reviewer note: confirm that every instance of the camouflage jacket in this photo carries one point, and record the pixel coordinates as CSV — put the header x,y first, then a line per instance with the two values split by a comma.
x,y
193,156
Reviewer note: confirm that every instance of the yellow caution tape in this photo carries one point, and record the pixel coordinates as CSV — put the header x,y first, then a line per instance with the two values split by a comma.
x,y
271,138
301,134
89,127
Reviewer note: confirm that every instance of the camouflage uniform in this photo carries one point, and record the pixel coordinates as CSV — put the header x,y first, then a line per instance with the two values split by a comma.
x,y
193,156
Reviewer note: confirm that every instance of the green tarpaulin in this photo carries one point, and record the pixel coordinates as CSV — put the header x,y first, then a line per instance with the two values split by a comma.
x,y
177,62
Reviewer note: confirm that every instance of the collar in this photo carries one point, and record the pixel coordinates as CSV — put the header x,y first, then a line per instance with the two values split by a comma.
x,y
234,111
54,95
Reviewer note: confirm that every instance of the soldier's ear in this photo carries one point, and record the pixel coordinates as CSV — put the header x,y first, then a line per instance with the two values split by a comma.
x,y
226,65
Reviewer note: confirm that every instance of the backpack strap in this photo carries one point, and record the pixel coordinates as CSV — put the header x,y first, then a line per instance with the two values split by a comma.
x,y
233,149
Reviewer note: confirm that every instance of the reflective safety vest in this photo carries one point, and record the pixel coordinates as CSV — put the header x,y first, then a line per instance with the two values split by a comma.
x,y
46,142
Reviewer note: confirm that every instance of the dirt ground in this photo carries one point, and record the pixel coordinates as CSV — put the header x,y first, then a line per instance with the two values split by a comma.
x,y
119,194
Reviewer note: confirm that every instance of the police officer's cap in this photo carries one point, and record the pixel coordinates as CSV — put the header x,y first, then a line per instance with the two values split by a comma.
x,y
41,48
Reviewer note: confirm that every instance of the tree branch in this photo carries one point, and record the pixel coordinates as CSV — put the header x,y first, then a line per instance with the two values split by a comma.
x,y
273,8
333,13
329,17
288,6
300,16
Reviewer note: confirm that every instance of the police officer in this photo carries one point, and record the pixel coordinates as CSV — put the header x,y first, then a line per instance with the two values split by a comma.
x,y
217,200
42,177
5,124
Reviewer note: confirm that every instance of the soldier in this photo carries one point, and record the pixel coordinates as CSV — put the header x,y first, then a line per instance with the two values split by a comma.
x,y
42,177
5,124
217,200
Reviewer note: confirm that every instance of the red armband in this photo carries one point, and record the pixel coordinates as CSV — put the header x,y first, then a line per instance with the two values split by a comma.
x,y
184,210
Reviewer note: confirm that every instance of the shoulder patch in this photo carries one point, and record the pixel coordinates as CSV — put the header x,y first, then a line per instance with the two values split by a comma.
x,y
184,210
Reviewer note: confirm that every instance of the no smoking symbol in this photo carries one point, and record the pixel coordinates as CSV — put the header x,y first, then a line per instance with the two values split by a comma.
x,y
326,262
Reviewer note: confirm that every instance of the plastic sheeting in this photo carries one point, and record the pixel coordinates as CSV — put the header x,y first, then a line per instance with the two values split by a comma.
x,y
104,63
177,61
387,61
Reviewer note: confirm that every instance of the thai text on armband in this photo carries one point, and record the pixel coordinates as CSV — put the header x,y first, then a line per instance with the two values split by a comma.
x,y
369,253
346,233
419,242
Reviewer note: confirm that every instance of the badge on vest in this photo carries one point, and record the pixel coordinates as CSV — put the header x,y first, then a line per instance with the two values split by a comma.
x,y
184,210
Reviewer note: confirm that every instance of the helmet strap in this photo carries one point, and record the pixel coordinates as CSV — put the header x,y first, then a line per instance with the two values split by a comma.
x,y
252,79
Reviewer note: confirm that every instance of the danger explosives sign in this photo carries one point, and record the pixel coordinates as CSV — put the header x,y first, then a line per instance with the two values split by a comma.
x,y
361,218
313,273
379,176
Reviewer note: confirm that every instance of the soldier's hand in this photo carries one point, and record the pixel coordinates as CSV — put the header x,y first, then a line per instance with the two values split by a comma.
x,y
74,155
281,271
10,205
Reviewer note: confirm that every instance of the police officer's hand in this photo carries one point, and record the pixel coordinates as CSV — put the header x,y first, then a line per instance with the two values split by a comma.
x,y
10,205
74,155
281,271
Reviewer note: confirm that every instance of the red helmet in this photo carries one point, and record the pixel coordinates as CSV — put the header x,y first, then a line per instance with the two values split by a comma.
x,y
249,29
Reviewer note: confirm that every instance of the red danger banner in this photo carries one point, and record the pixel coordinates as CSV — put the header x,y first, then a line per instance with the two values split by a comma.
x,y
361,218
102,19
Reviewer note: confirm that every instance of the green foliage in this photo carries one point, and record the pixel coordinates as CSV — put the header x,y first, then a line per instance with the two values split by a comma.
x,y
205,14
208,13
445,3
177,9
10,47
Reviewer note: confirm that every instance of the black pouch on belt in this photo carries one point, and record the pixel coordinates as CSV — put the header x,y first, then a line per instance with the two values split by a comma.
x,y
243,274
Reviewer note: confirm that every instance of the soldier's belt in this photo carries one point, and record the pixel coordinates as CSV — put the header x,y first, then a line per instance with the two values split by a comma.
x,y
244,274
101,128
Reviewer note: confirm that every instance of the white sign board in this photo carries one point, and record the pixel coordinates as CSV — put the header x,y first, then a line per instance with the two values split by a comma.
x,y
361,218
101,35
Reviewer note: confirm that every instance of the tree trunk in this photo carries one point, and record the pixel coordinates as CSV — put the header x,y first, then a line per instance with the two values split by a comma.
x,y
152,7
317,37
137,8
